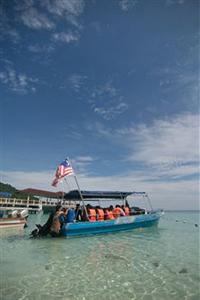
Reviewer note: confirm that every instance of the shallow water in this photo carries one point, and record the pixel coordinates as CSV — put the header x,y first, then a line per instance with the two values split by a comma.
x,y
153,263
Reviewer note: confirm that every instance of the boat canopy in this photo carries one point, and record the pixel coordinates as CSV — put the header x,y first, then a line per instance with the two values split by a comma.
x,y
94,195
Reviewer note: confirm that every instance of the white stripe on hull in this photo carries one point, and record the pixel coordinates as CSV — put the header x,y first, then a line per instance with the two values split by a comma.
x,y
12,226
5,223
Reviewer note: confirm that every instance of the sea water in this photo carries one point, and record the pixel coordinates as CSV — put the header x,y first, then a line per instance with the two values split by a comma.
x,y
152,263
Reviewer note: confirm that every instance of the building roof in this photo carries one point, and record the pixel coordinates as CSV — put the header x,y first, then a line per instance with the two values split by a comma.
x,y
36,192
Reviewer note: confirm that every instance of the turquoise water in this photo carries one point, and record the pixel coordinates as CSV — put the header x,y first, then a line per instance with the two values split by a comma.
x,y
153,263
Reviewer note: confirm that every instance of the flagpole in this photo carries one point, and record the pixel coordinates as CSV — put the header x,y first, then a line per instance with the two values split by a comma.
x,y
81,196
79,190
63,191
68,186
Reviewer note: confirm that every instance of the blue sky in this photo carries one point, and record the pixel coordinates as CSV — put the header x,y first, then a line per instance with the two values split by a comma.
x,y
111,84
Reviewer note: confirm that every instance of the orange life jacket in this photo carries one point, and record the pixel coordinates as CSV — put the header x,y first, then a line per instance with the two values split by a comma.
x,y
127,211
117,212
92,215
100,214
109,215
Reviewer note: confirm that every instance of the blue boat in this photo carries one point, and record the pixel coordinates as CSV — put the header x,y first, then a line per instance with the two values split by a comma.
x,y
140,218
108,226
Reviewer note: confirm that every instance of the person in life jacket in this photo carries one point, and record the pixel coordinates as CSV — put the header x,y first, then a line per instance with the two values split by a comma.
x,y
105,210
92,214
126,210
100,214
118,211
109,214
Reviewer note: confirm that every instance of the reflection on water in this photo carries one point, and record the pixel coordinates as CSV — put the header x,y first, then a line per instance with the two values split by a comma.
x,y
11,232
152,263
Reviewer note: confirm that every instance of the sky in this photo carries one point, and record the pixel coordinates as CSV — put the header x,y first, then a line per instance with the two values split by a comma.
x,y
112,85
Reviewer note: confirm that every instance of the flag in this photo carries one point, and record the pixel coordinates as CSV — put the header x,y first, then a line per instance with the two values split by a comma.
x,y
64,169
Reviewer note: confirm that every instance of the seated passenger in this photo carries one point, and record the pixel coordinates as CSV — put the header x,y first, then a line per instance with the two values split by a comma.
x,y
78,213
62,216
92,214
84,216
109,214
56,226
126,210
118,211
70,215
100,214
105,210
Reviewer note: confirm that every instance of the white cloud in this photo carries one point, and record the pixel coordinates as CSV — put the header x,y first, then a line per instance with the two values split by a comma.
x,y
62,7
66,8
169,141
84,159
107,102
6,31
181,194
180,171
111,112
41,48
172,2
77,81
23,180
166,149
36,20
66,37
18,82
125,5
166,152
11,33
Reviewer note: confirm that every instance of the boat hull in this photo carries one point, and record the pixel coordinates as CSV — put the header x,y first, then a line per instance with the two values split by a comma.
x,y
12,223
109,226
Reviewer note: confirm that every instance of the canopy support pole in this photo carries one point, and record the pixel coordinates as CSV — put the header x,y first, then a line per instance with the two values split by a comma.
x,y
149,201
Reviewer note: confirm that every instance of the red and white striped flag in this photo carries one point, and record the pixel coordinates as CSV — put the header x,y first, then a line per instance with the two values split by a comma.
x,y
64,169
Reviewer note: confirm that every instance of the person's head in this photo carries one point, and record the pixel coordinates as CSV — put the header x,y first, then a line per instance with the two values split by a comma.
x,y
58,207
77,205
117,206
64,210
111,207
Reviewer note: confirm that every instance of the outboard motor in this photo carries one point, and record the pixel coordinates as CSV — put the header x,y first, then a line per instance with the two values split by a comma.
x,y
13,214
23,213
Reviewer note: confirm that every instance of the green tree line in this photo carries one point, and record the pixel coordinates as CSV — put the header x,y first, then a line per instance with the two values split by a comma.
x,y
5,187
